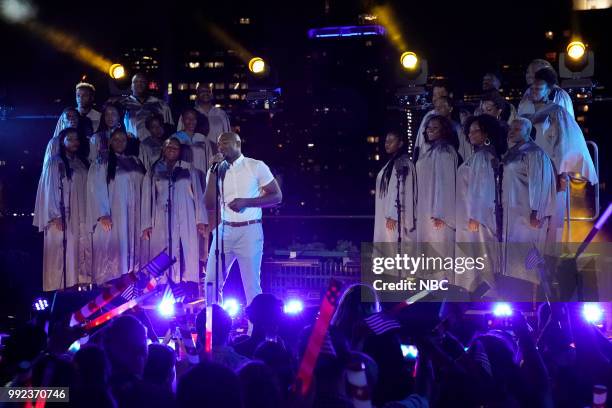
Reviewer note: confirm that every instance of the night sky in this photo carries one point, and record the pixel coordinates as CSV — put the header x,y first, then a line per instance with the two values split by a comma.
x,y
460,39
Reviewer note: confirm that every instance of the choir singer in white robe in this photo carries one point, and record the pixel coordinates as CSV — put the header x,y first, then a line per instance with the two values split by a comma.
x,y
63,183
385,218
528,196
558,134
436,171
197,150
558,96
172,183
151,147
476,198
114,184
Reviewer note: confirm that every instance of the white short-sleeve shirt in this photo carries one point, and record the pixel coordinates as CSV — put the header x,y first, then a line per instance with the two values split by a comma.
x,y
244,178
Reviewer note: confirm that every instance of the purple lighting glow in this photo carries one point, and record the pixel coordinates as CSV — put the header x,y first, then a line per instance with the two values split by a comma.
x,y
592,313
502,310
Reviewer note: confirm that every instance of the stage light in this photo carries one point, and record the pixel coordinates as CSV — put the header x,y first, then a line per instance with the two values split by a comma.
x,y
592,313
409,351
257,65
576,50
409,60
231,306
40,304
293,307
502,310
17,11
116,71
166,307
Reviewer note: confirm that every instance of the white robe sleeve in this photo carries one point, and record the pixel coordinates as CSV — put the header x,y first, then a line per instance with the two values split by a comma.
x,y
97,193
198,196
390,199
167,114
480,200
562,98
180,126
443,176
571,151
47,206
542,184
225,121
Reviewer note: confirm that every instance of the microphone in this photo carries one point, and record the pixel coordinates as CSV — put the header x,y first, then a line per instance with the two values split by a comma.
x,y
402,165
218,160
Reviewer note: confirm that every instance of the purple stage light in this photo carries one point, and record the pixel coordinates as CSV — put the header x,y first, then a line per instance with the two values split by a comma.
x,y
502,309
231,306
293,307
592,313
40,304
346,31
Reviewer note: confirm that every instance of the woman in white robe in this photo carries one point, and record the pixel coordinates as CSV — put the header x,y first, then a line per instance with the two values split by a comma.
x,y
151,146
476,219
528,196
68,119
558,134
436,171
558,96
385,215
64,181
197,150
188,214
99,141
114,187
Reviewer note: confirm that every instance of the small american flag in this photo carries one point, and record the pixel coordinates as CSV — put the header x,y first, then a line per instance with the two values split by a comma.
x,y
380,323
533,258
177,290
131,292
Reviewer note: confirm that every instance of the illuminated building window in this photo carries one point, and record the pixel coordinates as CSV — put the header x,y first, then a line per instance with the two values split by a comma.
x,y
209,64
219,85
218,64
182,86
192,97
194,85
372,139
245,20
169,88
193,65
234,97
244,85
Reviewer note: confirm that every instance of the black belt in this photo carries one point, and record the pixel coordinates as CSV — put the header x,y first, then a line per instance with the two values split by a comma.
x,y
242,223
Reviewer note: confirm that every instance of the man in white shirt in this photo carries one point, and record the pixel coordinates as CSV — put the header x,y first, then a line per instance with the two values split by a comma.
x,y
212,121
85,94
140,105
246,186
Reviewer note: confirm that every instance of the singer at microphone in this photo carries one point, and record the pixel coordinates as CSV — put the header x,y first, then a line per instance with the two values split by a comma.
x,y
246,186
386,205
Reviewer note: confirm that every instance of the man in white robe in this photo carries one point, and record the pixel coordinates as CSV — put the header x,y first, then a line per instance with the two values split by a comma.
x,y
64,182
561,98
528,197
140,105
85,95
212,121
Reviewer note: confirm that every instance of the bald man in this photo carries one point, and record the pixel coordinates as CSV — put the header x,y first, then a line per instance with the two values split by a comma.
x,y
246,186
140,105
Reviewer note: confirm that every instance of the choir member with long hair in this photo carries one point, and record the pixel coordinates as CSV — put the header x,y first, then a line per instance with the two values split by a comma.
x,y
196,150
172,183
114,187
111,120
60,213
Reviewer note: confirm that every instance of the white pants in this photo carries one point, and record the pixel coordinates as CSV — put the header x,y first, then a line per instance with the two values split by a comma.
x,y
244,244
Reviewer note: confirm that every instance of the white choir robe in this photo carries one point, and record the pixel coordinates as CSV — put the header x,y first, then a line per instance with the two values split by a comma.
x,y
529,184
136,114
386,206
115,252
197,150
476,201
561,98
188,210
48,208
150,151
436,172
465,149
93,115
558,134
218,123
99,142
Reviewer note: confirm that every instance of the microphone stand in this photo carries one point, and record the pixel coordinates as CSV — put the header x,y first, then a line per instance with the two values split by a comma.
x,y
169,209
498,172
218,255
64,226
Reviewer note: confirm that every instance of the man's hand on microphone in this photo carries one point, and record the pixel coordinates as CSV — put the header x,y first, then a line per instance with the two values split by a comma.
x,y
216,159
